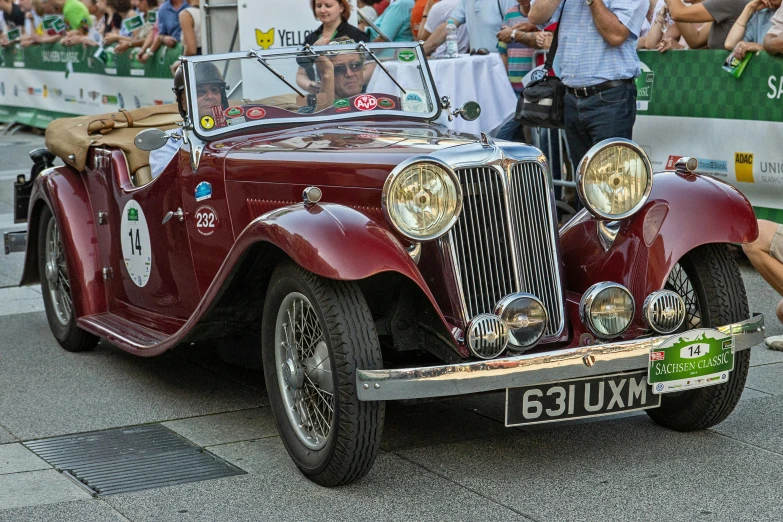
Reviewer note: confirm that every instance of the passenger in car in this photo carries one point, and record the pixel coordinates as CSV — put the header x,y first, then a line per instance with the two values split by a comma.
x,y
210,92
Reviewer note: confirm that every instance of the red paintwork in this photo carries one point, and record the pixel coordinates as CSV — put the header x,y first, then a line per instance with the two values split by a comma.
x,y
682,213
257,182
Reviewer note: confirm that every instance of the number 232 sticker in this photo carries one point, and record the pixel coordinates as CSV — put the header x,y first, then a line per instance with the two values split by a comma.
x,y
206,220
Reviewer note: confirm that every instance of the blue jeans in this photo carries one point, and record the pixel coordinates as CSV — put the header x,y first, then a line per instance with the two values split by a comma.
x,y
608,114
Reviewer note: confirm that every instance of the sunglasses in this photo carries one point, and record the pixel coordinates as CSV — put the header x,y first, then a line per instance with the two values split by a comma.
x,y
353,66
480,51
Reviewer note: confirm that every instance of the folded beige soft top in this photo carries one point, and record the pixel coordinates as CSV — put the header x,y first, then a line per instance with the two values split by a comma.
x,y
71,138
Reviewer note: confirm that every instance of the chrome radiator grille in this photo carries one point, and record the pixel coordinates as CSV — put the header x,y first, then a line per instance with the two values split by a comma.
x,y
503,241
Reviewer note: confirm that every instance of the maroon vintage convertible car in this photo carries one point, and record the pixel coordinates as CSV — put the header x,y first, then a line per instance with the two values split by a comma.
x,y
365,253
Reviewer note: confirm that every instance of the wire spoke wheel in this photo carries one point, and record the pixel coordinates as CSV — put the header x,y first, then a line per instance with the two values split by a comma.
x,y
304,372
57,275
57,289
316,334
680,283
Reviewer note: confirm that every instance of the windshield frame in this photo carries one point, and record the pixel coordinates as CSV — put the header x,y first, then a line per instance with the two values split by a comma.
x,y
254,54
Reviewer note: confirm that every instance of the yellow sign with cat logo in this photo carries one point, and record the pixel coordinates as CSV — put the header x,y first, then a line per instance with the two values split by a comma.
x,y
265,40
743,166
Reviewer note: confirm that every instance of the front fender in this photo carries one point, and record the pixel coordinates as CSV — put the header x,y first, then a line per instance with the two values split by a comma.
x,y
62,189
682,213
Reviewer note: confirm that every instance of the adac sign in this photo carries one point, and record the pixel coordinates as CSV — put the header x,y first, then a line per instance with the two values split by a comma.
x,y
743,166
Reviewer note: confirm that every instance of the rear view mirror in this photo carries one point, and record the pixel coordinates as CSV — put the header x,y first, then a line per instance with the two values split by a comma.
x,y
151,139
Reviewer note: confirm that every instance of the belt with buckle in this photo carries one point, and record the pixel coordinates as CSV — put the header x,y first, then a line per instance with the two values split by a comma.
x,y
584,92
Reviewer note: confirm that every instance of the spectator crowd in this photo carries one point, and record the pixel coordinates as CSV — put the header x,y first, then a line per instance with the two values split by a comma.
x,y
483,26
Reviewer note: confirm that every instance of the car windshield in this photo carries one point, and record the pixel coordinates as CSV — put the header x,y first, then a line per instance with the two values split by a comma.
x,y
332,82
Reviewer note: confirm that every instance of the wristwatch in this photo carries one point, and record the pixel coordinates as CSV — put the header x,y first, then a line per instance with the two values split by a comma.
x,y
513,36
589,2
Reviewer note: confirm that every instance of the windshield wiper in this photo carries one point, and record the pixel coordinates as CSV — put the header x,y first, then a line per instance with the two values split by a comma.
x,y
376,60
270,69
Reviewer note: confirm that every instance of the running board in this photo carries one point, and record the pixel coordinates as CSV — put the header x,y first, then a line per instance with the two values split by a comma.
x,y
116,329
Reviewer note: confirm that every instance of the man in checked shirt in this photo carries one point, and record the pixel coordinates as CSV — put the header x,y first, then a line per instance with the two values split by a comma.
x,y
598,63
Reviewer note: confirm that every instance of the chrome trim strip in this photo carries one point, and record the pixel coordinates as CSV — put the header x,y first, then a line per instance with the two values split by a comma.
x,y
529,370
505,166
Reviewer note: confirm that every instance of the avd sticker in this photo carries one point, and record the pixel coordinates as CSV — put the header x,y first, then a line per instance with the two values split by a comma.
x,y
365,102
135,240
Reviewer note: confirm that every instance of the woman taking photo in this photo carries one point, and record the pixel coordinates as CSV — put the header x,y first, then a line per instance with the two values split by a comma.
x,y
333,15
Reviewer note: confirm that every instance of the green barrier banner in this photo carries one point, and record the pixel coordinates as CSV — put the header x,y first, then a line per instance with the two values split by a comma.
x,y
687,105
43,82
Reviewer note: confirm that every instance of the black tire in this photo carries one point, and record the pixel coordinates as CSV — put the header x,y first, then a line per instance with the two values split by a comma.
x,y
719,295
62,325
348,332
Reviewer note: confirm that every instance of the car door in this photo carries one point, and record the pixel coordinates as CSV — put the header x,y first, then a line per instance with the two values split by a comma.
x,y
151,266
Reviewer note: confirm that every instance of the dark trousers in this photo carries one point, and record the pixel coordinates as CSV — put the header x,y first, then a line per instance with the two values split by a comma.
x,y
608,114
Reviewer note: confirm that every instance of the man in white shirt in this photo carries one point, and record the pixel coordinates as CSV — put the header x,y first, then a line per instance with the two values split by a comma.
x,y
484,19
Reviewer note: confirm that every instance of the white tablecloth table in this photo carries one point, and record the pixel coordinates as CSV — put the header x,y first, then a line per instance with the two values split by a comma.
x,y
478,78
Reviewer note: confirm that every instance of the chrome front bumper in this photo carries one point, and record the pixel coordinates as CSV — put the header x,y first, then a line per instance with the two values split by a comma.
x,y
529,370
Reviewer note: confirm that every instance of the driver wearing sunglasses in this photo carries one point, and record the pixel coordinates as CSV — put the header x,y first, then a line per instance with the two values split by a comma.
x,y
344,73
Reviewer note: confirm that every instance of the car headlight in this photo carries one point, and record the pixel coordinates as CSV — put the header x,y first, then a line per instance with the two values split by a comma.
x,y
607,309
422,198
614,179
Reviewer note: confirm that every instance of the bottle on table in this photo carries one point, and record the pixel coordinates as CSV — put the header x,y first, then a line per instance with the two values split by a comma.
x,y
452,42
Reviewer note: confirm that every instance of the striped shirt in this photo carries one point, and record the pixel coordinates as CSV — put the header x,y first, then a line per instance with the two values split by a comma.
x,y
520,56
585,57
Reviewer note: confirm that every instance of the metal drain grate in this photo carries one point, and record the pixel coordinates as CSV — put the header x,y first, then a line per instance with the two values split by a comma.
x,y
131,459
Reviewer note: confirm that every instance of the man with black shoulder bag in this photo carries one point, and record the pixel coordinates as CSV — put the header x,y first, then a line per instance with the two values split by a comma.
x,y
595,43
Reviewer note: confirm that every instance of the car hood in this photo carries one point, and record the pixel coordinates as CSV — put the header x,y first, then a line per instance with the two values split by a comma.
x,y
338,155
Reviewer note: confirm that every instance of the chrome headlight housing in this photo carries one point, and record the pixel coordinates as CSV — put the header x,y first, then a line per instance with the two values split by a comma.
x,y
614,179
422,198
607,309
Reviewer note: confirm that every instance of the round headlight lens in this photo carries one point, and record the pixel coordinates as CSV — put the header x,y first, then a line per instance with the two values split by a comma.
x,y
525,317
615,179
607,309
422,199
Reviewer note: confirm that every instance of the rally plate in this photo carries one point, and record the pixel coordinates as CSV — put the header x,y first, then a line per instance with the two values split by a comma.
x,y
580,398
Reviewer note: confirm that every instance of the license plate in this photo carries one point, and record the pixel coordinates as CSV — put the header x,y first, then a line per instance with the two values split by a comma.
x,y
579,398
691,359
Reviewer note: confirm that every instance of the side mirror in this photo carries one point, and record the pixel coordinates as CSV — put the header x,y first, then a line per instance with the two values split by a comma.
x,y
470,111
151,139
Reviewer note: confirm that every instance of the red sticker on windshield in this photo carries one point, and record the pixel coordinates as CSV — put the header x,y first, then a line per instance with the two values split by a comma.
x,y
255,113
218,116
365,102
206,220
385,103
234,112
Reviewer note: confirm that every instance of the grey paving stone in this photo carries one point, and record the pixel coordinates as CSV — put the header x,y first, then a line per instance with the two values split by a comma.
x,y
756,422
79,510
626,469
15,458
5,435
224,428
750,394
37,487
275,490
766,378
47,391
761,355
439,422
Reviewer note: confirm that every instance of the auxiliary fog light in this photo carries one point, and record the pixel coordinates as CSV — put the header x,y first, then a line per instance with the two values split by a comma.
x,y
525,317
487,336
663,311
607,309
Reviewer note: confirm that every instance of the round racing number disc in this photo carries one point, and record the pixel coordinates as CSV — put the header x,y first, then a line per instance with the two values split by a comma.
x,y
135,241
